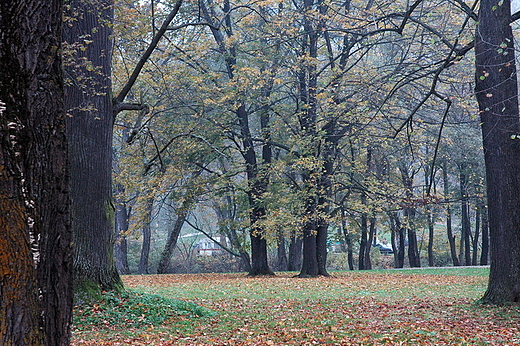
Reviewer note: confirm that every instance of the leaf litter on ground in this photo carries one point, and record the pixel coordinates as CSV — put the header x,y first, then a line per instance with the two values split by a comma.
x,y
348,308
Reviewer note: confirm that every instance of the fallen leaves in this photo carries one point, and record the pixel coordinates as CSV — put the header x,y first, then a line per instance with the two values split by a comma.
x,y
352,308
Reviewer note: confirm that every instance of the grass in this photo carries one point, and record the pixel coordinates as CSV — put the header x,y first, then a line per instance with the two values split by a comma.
x,y
410,307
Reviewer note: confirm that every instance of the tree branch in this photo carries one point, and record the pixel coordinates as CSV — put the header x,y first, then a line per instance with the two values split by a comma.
x,y
195,227
119,107
155,41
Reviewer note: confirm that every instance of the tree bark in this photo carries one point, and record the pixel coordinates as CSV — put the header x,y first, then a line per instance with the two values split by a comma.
x,y
484,254
431,234
430,216
90,126
413,248
147,237
409,213
363,245
173,236
19,304
497,96
348,240
309,254
449,228
121,244
476,236
294,262
465,239
281,252
257,187
316,180
35,237
398,239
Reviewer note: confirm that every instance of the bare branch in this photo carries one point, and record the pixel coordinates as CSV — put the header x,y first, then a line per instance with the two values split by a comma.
x,y
119,107
195,227
155,41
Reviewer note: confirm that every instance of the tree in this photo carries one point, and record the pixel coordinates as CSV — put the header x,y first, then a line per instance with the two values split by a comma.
x,y
35,238
497,96
88,32
449,229
257,178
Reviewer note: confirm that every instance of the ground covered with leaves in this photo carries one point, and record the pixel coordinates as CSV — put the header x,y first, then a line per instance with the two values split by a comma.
x,y
394,307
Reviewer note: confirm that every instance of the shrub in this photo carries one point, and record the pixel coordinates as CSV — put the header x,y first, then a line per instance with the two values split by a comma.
x,y
130,309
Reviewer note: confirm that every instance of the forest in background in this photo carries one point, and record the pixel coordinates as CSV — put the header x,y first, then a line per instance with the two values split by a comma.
x,y
336,114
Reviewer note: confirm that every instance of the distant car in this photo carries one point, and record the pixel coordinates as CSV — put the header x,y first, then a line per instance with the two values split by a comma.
x,y
385,249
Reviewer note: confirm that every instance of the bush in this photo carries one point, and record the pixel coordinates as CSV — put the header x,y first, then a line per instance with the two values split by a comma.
x,y
132,310
337,261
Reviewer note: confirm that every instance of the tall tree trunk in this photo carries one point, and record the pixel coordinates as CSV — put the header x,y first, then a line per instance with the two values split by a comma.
x,y
147,237
257,181
348,240
363,242
173,236
330,144
431,234
398,239
316,181
484,254
35,239
497,96
121,244
465,248
371,240
476,236
281,252
257,188
294,261
409,213
413,248
430,215
90,141
449,228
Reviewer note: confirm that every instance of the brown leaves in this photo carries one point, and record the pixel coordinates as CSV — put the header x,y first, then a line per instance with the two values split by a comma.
x,y
350,308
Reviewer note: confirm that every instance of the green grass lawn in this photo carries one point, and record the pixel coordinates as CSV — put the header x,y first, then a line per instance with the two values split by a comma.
x,y
390,307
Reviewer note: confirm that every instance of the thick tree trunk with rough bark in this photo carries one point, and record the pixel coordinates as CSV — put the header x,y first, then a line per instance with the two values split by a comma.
x,y
497,95
35,237
19,305
90,126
